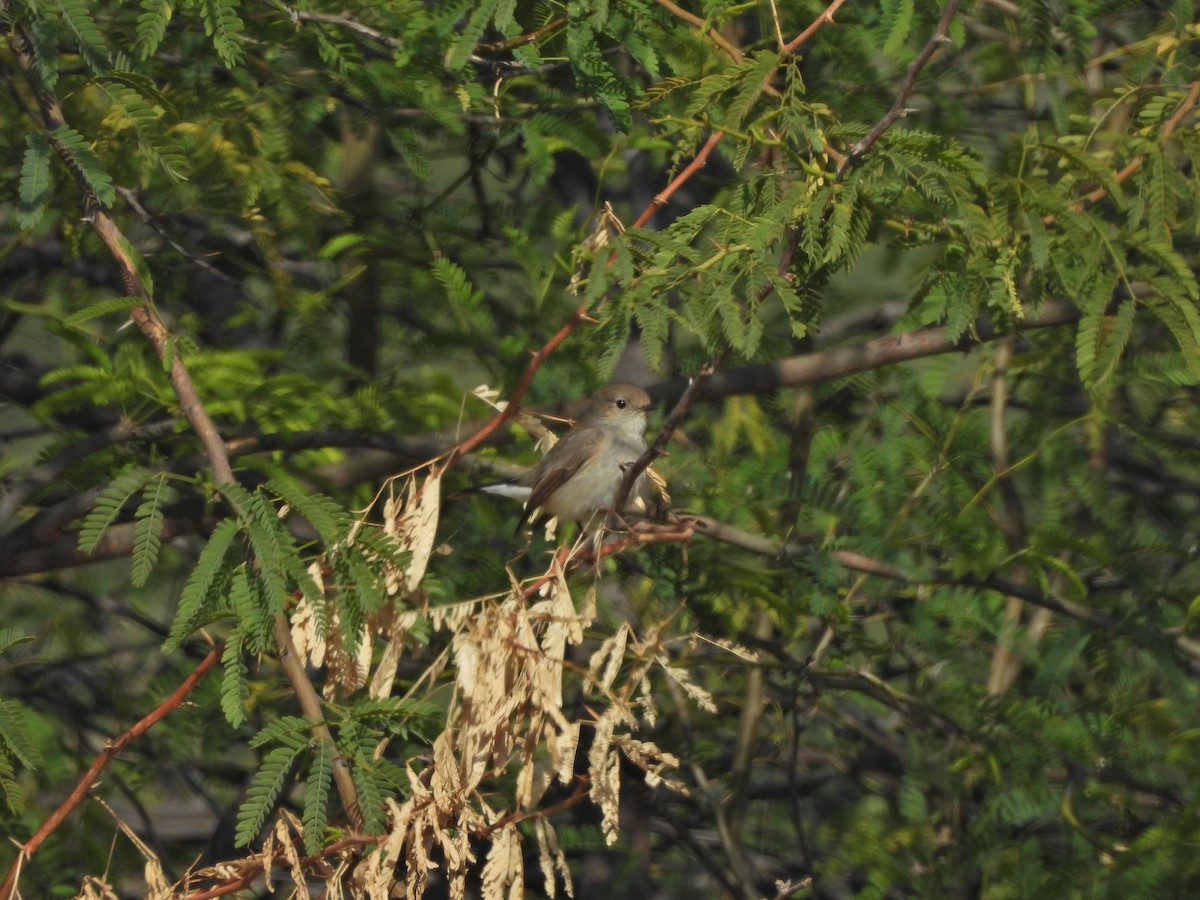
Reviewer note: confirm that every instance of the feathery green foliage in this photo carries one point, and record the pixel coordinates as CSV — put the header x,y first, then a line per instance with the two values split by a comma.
x,y
266,788
147,529
109,505
85,165
35,180
205,583
317,795
978,648
16,748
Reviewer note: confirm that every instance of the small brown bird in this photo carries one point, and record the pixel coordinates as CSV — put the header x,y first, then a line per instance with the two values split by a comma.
x,y
582,472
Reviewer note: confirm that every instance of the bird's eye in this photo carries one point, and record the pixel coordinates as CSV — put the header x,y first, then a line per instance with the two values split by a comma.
x,y
621,404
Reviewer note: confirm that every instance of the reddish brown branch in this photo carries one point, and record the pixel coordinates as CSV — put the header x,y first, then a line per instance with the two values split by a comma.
x,y
77,796
701,159
514,399
825,18
660,199
581,790
1188,104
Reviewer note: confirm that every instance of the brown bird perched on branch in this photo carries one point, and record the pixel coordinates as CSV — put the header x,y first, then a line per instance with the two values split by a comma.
x,y
582,472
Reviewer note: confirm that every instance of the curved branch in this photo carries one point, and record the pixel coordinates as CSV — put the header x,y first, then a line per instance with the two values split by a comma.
x,y
826,365
83,787
464,447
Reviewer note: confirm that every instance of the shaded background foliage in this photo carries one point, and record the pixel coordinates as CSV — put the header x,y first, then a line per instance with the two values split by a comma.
x,y
976,654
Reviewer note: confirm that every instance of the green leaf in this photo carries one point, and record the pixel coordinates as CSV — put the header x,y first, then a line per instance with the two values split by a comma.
x,y
146,532
254,617
141,112
285,728
326,516
897,19
77,14
43,35
103,308
279,558
468,36
152,26
234,689
503,16
208,574
225,27
13,797
109,505
749,86
35,181
264,790
11,637
1119,329
316,796
14,735
85,165
373,792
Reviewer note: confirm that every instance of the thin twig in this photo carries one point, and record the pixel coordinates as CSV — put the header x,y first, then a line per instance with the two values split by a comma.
x,y
825,18
715,36
539,357
827,365
1131,167
898,109
655,450
700,161
854,561
524,39
350,24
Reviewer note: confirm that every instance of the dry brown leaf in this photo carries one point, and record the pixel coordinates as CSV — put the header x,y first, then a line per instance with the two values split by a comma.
x,y
607,657
647,756
551,859
660,485
456,848
563,747
93,888
645,700
335,882
534,778
285,827
347,670
445,782
604,770
157,885
736,649
378,870
703,698
415,528
267,856
305,631
504,867
385,673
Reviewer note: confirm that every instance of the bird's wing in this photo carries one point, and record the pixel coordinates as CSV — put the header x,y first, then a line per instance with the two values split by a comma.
x,y
558,466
